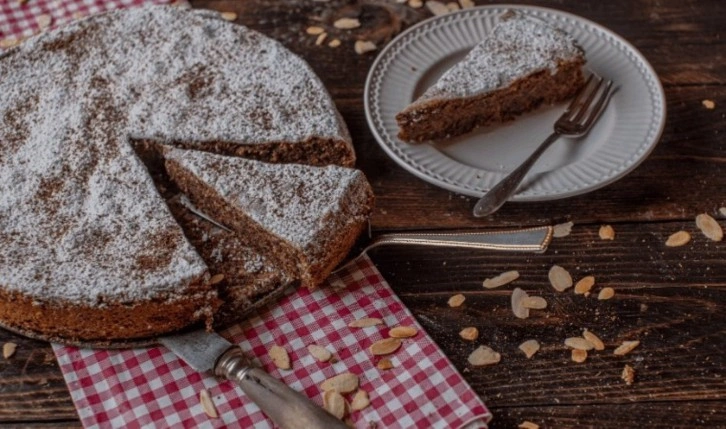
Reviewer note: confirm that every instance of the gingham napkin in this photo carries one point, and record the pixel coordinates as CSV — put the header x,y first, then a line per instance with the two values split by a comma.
x,y
153,388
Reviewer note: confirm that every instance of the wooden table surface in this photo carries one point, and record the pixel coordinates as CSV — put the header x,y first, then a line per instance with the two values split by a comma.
x,y
671,299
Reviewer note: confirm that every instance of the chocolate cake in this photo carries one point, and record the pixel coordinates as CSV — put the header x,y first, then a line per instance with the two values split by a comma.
x,y
89,250
524,63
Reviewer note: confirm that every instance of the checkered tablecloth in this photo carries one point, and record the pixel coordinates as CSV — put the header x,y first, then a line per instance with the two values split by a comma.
x,y
153,388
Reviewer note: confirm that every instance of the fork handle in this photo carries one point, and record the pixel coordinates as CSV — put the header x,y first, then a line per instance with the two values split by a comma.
x,y
500,193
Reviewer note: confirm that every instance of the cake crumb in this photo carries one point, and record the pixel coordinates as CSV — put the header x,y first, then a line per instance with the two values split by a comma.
x,y
469,334
607,232
628,375
562,229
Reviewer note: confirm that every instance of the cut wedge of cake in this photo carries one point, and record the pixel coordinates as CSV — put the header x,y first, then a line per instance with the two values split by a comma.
x,y
306,217
523,63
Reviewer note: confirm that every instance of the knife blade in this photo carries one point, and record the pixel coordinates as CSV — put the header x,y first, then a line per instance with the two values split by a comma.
x,y
210,353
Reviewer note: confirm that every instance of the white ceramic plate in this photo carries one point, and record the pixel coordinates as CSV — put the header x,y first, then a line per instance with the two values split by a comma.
x,y
471,164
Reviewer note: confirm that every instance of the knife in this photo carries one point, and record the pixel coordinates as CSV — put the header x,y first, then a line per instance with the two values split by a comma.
x,y
208,352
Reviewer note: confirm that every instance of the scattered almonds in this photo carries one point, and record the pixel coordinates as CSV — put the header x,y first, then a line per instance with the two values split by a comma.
x,y
562,229
484,356
709,227
457,300
606,293
579,356
360,400
628,375
321,38
528,425
315,30
44,21
466,4
534,302
334,43
229,16
593,339
626,347
365,322
560,278
518,308
502,279
216,279
437,8
584,285
344,383
9,350
607,232
279,357
334,403
578,343
208,404
679,238
384,364
708,104
363,46
320,353
415,3
402,332
469,334
346,23
385,346
529,347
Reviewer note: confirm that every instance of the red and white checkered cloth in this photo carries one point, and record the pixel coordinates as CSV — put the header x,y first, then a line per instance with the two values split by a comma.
x,y
153,388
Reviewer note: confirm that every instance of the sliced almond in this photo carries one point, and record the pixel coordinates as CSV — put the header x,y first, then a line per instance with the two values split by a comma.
x,y
344,383
457,300
363,46
607,232
8,43
453,6
469,334
315,30
593,339
385,346
279,357
709,104
484,355
466,4
366,322
709,227
584,285
578,343
626,347
606,293
346,23
334,403
437,8
502,279
205,399
561,229
529,347
415,3
560,278
402,332
44,21
534,302
9,350
334,43
216,279
360,400
628,375
528,425
320,39
579,356
320,353
229,16
384,364
518,308
678,239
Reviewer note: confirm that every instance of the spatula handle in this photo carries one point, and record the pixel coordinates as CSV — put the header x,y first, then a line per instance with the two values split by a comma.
x,y
283,405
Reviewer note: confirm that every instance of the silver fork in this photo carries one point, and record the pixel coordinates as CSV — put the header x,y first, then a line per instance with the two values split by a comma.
x,y
576,121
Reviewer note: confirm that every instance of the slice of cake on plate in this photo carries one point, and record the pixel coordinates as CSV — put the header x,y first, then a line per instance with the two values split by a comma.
x,y
523,63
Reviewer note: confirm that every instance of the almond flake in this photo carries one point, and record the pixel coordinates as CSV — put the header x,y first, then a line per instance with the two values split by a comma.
x,y
579,356
469,334
453,6
79,15
321,38
502,279
578,343
363,46
320,353
466,4
678,239
484,356
534,302
626,347
229,16
415,3
628,375
722,210
334,403
315,30
216,279
593,339
385,346
584,285
44,21
9,350
208,404
384,364
360,400
279,357
402,332
709,227
346,23
560,278
365,322
529,347
709,104
334,43
561,229
606,293
457,300
437,8
607,232
8,43
528,425
344,383
518,308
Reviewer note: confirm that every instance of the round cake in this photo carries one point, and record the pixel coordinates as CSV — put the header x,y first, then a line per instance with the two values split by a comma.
x,y
89,249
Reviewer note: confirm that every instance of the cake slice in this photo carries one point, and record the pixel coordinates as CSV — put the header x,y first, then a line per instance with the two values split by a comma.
x,y
304,217
524,63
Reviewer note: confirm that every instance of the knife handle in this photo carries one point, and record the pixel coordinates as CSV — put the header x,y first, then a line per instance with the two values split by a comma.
x,y
283,405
